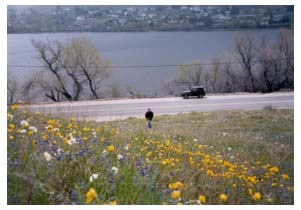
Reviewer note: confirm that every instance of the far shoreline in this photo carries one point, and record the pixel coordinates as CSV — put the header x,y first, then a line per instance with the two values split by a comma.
x,y
167,31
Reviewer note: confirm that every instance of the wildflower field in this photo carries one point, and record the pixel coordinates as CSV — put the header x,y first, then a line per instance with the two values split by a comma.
x,y
232,157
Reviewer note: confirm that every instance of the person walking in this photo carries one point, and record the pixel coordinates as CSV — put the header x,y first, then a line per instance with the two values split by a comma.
x,y
149,116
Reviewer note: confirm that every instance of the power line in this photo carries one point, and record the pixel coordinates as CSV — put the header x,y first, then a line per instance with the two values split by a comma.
x,y
156,66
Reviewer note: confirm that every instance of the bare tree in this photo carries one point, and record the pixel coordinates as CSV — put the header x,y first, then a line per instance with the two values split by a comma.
x,y
221,75
215,74
169,87
267,73
75,68
86,65
230,78
133,93
244,50
113,90
190,75
284,55
276,62
42,86
13,88
206,80
50,54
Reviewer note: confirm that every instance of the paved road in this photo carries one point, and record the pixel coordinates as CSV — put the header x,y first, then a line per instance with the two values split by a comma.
x,y
124,108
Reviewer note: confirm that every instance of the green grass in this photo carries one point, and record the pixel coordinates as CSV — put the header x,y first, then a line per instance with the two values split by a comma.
x,y
231,153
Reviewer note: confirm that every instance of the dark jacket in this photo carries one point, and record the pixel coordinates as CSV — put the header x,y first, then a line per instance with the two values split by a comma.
x,y
149,115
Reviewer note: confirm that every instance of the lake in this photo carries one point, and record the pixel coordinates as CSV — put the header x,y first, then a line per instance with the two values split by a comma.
x,y
135,49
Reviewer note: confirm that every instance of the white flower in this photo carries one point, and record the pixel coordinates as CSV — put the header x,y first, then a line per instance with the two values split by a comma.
x,y
24,123
104,152
211,147
94,134
93,177
56,129
126,148
195,140
72,141
147,160
23,131
60,151
231,157
229,148
120,157
10,117
114,170
34,129
47,156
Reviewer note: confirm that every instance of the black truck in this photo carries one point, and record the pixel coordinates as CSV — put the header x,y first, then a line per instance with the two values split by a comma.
x,y
194,91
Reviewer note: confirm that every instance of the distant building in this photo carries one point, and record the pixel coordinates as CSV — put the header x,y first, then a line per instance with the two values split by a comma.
x,y
122,21
131,9
277,18
264,21
196,8
80,18
184,7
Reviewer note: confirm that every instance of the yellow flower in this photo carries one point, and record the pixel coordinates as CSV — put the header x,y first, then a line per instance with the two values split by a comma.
x,y
274,169
223,198
164,162
250,191
202,199
44,136
91,195
85,138
65,141
49,128
111,148
37,113
51,121
256,196
113,203
24,123
29,133
285,176
85,129
270,200
14,107
59,135
11,138
69,126
176,186
274,184
72,119
10,116
10,127
176,194
210,173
